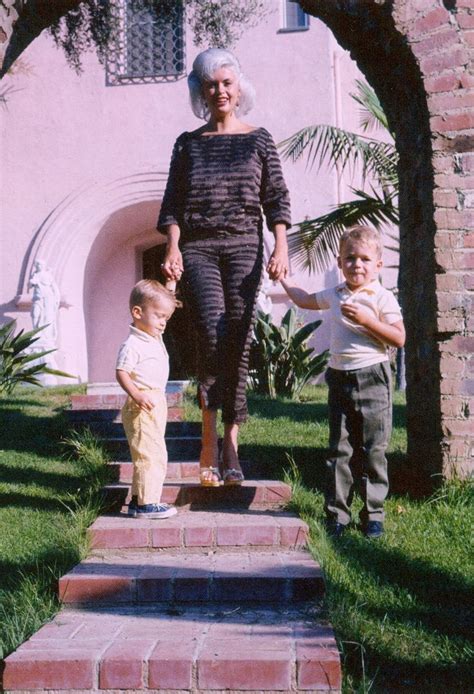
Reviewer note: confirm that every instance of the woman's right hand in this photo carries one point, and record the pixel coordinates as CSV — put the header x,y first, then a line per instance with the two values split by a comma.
x,y
172,265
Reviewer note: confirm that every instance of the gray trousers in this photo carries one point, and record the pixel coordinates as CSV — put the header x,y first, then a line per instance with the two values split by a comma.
x,y
360,423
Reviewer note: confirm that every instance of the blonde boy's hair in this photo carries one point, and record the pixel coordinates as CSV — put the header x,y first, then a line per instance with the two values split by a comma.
x,y
146,291
362,233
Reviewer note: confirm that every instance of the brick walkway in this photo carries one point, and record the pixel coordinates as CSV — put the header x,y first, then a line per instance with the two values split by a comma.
x,y
223,597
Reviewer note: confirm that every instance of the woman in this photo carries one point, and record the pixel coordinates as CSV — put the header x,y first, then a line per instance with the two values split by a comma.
x,y
221,176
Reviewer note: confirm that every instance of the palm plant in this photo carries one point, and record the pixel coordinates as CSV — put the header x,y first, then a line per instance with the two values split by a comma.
x,y
315,242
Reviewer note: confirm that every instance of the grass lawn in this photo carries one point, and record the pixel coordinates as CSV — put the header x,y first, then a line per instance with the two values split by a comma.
x,y
401,606
46,503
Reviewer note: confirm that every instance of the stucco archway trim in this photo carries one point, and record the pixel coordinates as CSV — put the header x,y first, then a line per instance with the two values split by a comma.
x,y
64,241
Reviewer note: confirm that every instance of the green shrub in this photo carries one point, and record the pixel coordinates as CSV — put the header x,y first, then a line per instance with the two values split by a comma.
x,y
281,362
15,359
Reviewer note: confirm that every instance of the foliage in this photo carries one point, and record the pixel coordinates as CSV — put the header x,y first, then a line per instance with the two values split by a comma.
x,y
315,243
47,504
92,25
281,362
16,358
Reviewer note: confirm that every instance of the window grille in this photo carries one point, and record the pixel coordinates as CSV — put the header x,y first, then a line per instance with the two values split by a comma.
x,y
294,18
147,46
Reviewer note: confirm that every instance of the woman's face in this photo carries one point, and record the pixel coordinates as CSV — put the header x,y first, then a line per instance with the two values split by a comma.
x,y
222,92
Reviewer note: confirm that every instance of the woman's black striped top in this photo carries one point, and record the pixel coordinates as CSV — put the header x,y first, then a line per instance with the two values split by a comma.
x,y
219,184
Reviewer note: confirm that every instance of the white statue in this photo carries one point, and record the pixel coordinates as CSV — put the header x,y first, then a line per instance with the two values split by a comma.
x,y
45,303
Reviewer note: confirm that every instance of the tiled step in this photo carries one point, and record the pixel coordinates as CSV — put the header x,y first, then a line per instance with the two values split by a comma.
x,y
121,471
129,577
115,401
252,494
109,422
179,447
194,529
203,649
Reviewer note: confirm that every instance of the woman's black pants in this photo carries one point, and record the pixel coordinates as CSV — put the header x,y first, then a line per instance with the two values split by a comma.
x,y
221,281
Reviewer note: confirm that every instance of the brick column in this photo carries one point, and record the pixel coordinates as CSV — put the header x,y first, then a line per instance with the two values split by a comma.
x,y
418,56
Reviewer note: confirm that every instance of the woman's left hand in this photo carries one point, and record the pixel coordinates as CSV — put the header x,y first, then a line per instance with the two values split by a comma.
x,y
277,267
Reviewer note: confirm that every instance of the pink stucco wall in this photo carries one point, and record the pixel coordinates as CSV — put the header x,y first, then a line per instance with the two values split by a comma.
x,y
84,167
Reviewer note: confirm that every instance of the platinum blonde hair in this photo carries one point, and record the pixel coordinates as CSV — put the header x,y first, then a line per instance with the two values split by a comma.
x,y
364,234
205,66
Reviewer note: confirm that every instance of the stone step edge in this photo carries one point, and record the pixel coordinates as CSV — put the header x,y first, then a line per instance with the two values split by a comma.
x,y
252,494
134,578
133,533
72,653
122,470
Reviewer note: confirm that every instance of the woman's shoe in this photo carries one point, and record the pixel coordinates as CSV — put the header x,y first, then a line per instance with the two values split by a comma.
x,y
210,477
233,477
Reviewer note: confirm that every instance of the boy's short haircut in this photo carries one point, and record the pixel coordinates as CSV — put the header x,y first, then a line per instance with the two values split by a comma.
x,y
146,291
360,232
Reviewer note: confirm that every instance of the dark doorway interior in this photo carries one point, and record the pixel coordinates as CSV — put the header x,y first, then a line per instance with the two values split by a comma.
x,y
179,336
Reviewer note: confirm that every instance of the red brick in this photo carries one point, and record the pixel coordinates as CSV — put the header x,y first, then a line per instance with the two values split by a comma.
x,y
165,536
199,536
450,101
98,589
49,670
112,538
457,427
293,533
445,198
467,162
171,671
454,406
467,262
442,83
452,365
458,121
122,665
449,282
444,61
465,20
469,282
444,239
467,80
318,669
432,20
241,535
253,671
436,42
465,3
454,181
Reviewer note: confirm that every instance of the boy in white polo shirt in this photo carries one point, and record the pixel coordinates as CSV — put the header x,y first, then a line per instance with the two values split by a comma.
x,y
365,320
142,370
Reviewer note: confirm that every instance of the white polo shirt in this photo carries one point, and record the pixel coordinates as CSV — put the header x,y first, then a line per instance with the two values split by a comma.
x,y
145,358
351,346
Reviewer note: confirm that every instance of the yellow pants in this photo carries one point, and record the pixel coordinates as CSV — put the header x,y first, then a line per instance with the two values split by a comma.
x,y
145,433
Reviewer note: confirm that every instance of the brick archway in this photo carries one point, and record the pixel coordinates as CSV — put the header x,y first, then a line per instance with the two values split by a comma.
x,y
418,56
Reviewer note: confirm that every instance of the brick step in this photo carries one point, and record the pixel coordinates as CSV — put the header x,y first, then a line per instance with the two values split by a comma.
x,y
135,578
195,529
236,648
115,401
109,422
121,471
252,494
179,447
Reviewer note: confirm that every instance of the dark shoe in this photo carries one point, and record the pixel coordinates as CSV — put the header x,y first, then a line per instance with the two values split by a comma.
x,y
335,529
155,511
133,507
373,529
